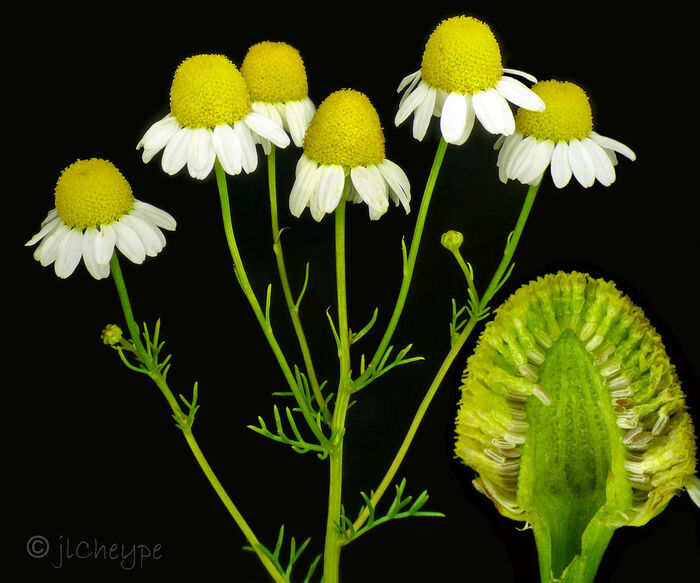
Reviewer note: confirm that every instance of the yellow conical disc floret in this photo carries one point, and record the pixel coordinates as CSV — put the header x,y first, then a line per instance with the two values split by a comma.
x,y
345,131
567,115
90,193
207,91
274,73
462,56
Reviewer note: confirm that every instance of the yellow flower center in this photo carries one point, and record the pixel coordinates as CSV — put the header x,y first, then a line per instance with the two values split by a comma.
x,y
274,73
567,115
462,56
90,193
207,91
345,131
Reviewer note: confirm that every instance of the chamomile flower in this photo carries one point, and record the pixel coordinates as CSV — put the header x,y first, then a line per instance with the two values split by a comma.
x,y
462,79
210,117
560,137
276,79
344,156
96,211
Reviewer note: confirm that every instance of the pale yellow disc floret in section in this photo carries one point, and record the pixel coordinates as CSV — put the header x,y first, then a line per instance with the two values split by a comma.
x,y
274,73
90,193
567,115
207,91
345,131
462,56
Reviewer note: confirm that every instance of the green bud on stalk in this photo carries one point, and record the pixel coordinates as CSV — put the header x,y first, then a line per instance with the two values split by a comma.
x,y
452,240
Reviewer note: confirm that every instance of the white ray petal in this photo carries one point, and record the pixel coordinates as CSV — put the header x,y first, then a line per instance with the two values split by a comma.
x,y
453,117
96,269
330,188
371,187
249,154
47,227
520,157
423,114
201,156
45,253
303,186
267,128
398,182
104,244
519,94
469,123
128,242
493,112
411,102
68,253
614,145
227,148
176,151
158,216
408,80
560,167
149,238
603,167
157,136
581,164
309,109
409,90
510,144
540,157
527,76
296,122
52,214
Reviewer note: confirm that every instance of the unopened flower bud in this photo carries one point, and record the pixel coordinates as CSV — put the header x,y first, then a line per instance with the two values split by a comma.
x,y
452,240
112,334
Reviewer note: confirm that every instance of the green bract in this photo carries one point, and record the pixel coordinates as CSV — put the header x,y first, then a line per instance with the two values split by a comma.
x,y
606,442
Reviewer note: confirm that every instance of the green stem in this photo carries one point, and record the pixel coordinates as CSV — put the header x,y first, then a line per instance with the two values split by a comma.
x,y
584,565
511,246
331,556
468,275
118,278
452,354
133,328
233,511
410,263
292,306
247,289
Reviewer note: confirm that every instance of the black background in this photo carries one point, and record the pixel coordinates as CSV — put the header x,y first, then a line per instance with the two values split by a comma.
x,y
93,452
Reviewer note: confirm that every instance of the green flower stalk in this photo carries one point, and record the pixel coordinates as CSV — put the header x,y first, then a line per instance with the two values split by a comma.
x,y
574,419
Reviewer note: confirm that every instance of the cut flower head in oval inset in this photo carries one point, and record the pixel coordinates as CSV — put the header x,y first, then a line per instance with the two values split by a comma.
x,y
607,440
462,79
344,156
210,118
96,212
276,79
560,137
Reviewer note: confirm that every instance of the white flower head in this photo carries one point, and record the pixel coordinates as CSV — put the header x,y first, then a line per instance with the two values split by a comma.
x,y
276,78
344,156
561,138
462,79
96,212
210,117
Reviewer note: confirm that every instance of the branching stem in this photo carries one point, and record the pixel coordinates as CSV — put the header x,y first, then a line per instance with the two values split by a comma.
x,y
157,377
496,282
292,306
